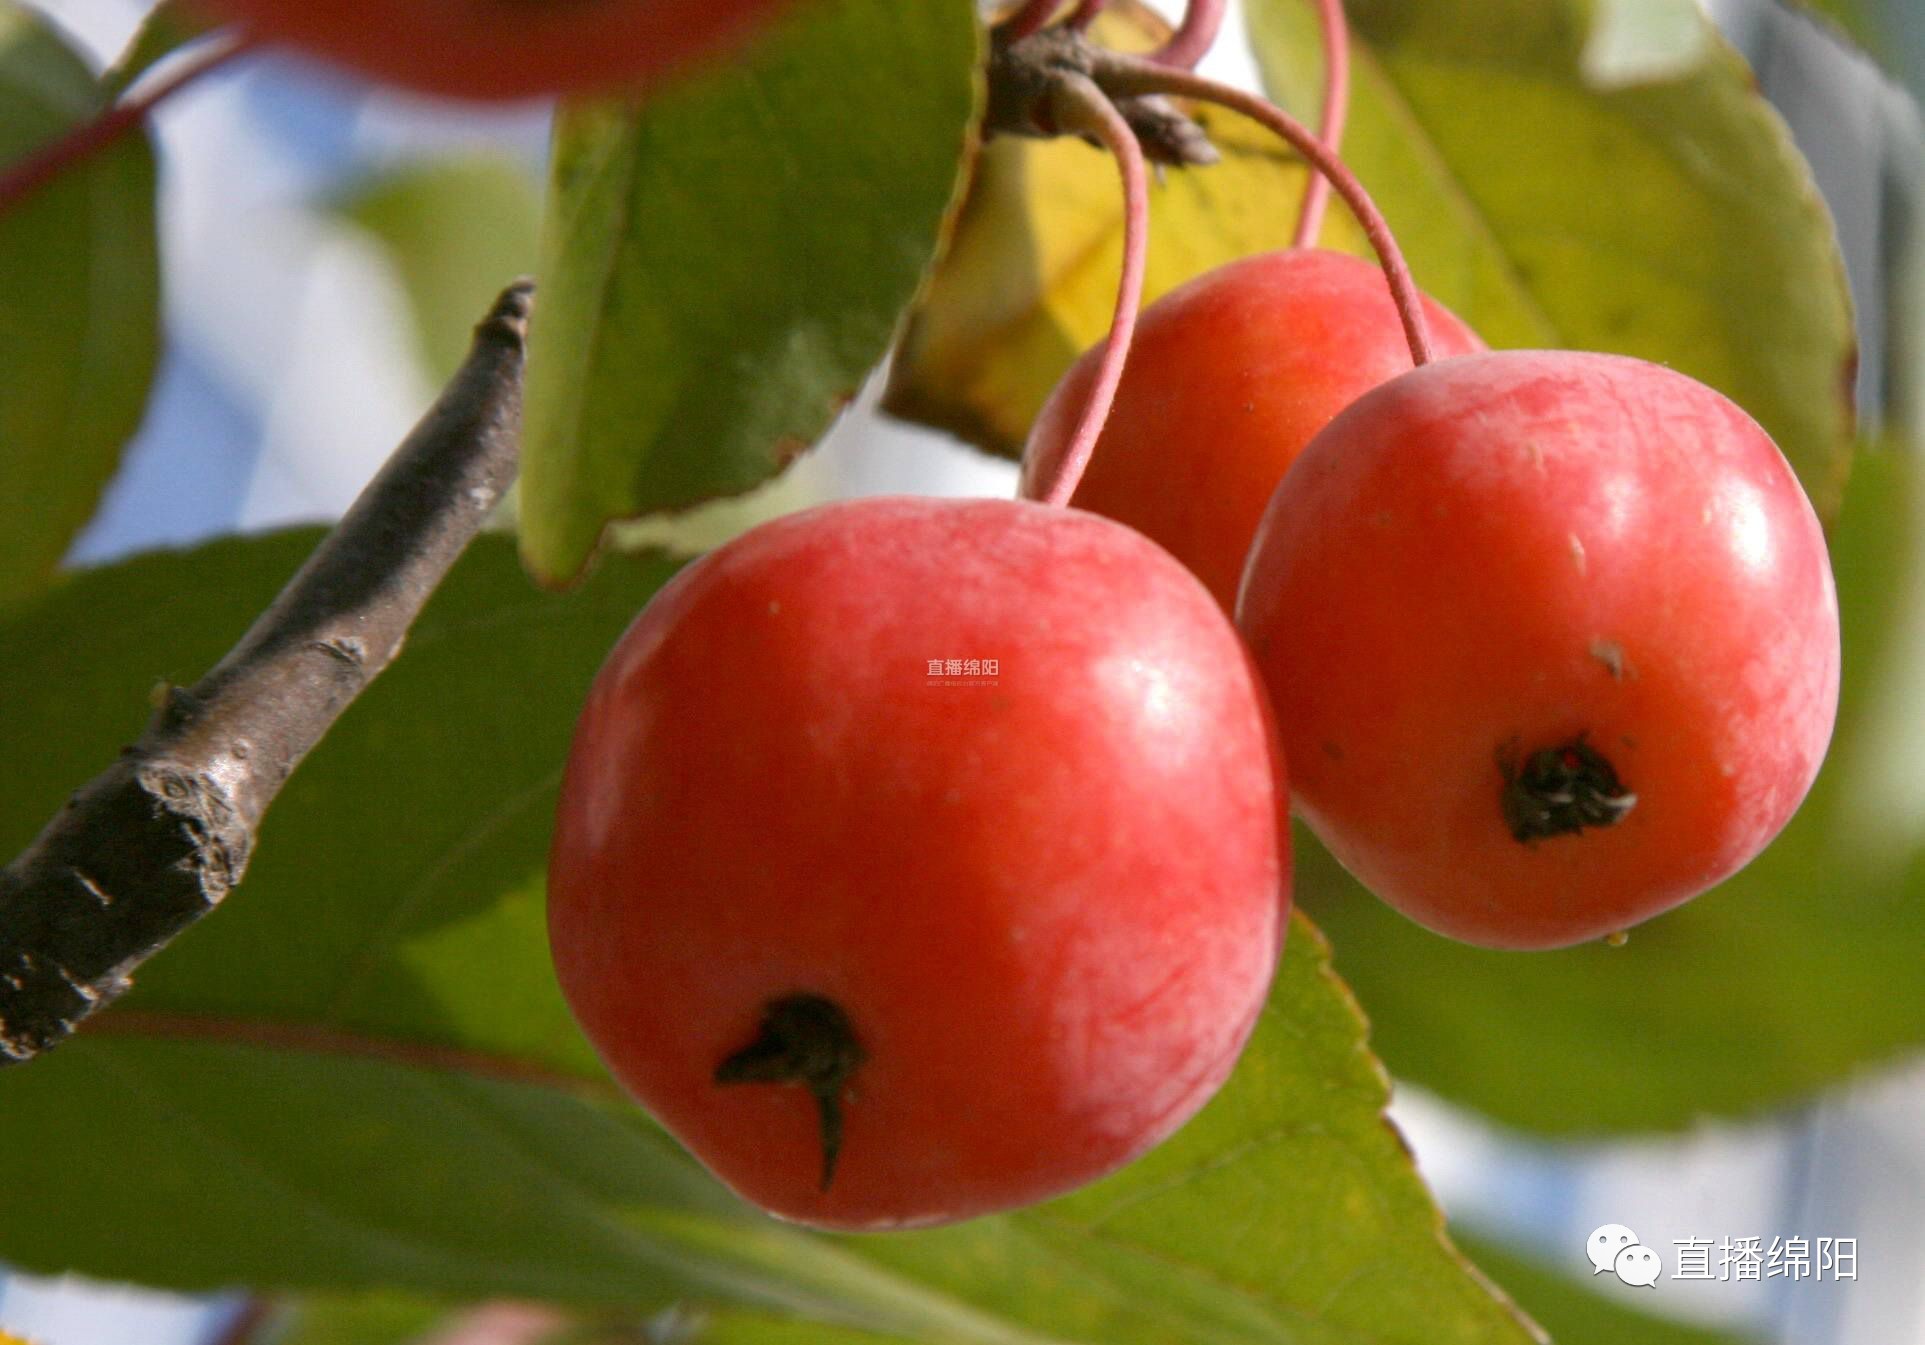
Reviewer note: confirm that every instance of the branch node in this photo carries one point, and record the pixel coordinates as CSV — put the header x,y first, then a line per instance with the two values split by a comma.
x,y
1029,76
346,648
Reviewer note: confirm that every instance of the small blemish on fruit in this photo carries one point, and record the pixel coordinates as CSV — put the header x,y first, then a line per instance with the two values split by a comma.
x,y
1331,750
1617,938
775,608
1611,655
1577,554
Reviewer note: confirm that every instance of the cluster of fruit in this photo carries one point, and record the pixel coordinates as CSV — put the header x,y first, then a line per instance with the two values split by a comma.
x,y
1550,636
1548,640
1551,645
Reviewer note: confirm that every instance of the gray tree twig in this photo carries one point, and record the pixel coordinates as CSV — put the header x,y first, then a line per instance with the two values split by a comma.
x,y
156,840
1026,75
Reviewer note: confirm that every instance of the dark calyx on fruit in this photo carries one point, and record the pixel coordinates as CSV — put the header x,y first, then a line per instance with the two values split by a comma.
x,y
1558,791
807,1040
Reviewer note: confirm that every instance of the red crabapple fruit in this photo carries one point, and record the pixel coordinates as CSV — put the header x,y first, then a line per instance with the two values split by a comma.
x,y
1551,639
921,858
1229,377
500,49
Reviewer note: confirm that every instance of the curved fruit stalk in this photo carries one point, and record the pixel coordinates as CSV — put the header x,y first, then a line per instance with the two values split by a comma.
x,y
503,49
1238,368
1080,105
1195,34
1131,76
1330,125
1230,376
922,858
1552,642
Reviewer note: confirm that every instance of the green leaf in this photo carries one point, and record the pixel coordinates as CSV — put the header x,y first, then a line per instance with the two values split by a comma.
x,y
167,28
260,1109
464,834
1575,1313
1603,175
1288,1213
79,305
1793,975
455,231
723,264
358,1319
754,1328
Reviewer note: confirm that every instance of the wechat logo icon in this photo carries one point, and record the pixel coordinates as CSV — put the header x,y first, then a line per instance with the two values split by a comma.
x,y
1615,1248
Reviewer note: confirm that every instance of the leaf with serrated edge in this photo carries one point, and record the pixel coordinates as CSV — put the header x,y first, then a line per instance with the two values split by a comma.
x,y
1585,1311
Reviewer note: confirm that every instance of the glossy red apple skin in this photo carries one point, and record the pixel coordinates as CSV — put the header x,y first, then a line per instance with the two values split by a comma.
x,y
507,49
1049,900
1506,553
1228,378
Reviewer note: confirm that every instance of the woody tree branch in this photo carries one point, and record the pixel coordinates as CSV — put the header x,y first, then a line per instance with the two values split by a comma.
x,y
1028,77
156,840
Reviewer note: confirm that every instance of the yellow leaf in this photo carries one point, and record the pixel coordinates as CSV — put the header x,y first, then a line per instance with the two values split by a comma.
x,y
1598,177
1030,277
